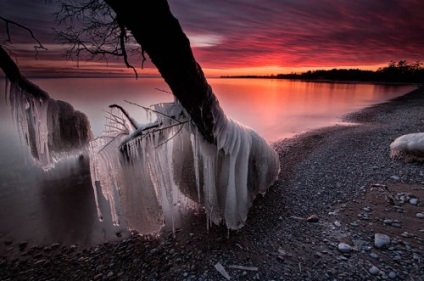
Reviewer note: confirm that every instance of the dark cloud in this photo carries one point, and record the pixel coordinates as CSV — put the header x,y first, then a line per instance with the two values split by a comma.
x,y
305,33
286,33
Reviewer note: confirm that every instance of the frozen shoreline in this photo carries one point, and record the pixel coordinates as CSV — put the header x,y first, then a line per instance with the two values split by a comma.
x,y
322,170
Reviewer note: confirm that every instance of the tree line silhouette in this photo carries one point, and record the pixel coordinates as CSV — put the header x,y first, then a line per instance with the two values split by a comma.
x,y
401,71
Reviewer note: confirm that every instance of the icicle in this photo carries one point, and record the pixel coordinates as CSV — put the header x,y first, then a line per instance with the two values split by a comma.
x,y
41,130
172,165
195,149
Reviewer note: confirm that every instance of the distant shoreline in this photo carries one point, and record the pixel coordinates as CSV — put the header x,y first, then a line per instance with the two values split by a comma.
x,y
400,72
325,80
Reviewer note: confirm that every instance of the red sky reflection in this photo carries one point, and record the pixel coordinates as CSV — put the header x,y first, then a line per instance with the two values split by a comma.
x,y
281,108
262,37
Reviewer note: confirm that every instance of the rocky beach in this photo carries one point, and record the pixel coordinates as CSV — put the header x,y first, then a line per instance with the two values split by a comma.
x,y
342,209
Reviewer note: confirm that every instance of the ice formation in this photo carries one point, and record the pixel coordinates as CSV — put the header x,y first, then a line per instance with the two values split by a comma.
x,y
409,147
50,129
150,172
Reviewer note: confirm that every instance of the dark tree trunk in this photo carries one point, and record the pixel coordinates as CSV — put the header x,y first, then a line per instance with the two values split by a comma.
x,y
161,37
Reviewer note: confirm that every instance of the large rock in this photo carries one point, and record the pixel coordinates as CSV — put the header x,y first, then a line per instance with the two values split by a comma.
x,y
408,147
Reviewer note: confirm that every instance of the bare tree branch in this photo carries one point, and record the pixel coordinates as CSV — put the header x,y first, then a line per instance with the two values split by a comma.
x,y
13,73
9,22
91,31
132,121
155,111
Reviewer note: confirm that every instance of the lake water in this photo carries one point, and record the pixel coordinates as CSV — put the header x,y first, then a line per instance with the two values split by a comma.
x,y
58,205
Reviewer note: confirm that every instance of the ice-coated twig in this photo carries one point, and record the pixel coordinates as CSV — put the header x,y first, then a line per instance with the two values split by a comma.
x,y
179,130
117,129
242,267
155,111
116,120
218,266
132,120
106,145
139,132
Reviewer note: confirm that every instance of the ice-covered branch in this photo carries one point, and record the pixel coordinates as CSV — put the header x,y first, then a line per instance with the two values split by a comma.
x,y
15,76
49,128
181,166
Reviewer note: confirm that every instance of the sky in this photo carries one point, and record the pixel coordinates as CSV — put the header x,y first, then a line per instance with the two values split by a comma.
x,y
242,37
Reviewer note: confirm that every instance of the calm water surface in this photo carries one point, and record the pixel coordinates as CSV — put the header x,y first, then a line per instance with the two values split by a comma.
x,y
58,206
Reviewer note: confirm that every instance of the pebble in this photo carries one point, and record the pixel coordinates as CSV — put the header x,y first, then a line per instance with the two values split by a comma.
x,y
312,218
373,255
342,258
413,201
354,223
420,215
344,248
373,270
387,221
406,234
337,223
381,240
42,261
392,275
396,178
23,245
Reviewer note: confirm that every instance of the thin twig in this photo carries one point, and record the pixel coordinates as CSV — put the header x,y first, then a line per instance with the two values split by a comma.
x,y
114,138
155,111
124,51
182,125
160,90
9,39
132,121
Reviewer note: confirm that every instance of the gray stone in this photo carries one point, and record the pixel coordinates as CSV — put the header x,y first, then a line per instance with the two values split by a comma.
x,y
344,248
373,270
312,218
381,240
387,221
392,275
373,255
413,201
420,215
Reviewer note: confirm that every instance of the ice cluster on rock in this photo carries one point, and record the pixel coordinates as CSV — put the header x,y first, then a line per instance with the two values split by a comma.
x,y
408,147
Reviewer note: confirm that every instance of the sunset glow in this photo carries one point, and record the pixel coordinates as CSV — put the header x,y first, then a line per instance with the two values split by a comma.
x,y
248,38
